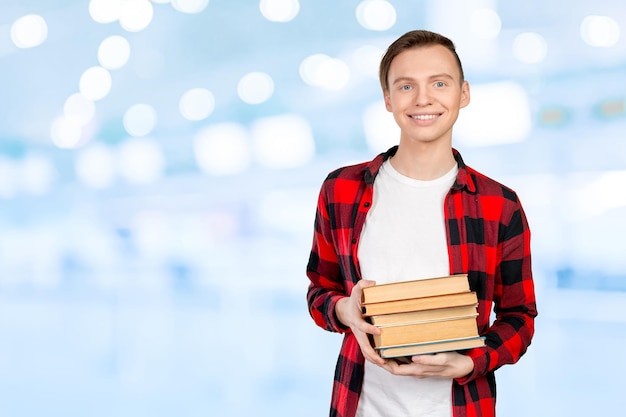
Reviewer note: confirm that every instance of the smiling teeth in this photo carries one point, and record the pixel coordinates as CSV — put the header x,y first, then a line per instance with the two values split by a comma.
x,y
424,116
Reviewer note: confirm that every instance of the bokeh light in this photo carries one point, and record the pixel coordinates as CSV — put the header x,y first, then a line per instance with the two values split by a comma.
x,y
255,87
223,149
66,133
485,23
377,15
196,104
105,11
114,52
320,70
530,48
190,6
140,161
282,142
140,119
136,15
279,10
380,129
600,31
95,166
95,83
79,109
29,31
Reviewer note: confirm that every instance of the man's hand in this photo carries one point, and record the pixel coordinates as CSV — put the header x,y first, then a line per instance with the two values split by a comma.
x,y
349,312
440,365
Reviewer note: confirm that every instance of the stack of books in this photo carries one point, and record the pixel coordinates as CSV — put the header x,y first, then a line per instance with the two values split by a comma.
x,y
423,316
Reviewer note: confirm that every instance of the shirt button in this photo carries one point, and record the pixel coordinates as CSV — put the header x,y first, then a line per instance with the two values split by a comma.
x,y
354,241
367,204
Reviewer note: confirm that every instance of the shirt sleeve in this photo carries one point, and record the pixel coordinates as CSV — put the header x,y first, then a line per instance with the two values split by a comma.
x,y
508,338
326,285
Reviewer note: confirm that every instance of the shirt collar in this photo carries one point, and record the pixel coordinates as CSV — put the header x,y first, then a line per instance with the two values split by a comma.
x,y
463,178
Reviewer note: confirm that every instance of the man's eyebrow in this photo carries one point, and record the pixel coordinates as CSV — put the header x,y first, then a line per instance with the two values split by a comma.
x,y
431,77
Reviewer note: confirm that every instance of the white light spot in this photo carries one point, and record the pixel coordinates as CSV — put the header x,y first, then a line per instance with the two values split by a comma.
x,y
282,142
95,83
136,15
95,166
161,1
597,196
105,11
255,87
600,31
79,109
37,174
66,133
378,15
530,48
114,52
190,6
279,10
140,119
485,24
320,70
29,31
366,59
381,129
141,161
197,104
222,149
498,113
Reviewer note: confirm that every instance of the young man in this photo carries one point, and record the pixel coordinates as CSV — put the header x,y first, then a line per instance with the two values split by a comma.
x,y
417,211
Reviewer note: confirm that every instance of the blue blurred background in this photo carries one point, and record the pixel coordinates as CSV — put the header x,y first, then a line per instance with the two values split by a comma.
x,y
159,167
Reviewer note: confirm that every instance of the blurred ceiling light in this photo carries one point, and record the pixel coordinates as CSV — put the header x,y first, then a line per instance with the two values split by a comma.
x,y
222,149
366,59
29,31
136,15
95,83
378,15
190,6
37,173
320,70
105,11
114,52
597,195
485,23
498,113
95,166
600,31
141,161
279,10
255,87
66,133
79,109
380,128
197,104
530,48
283,142
140,120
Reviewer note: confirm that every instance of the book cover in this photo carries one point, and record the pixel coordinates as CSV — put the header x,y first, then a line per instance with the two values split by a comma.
x,y
416,288
434,347
420,304
425,332
424,316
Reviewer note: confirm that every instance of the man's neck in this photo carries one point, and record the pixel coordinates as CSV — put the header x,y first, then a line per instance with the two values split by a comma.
x,y
423,161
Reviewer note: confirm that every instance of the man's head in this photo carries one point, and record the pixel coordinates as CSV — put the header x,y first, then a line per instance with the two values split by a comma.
x,y
414,39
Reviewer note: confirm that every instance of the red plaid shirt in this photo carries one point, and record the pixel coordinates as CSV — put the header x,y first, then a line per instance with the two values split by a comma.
x,y
488,239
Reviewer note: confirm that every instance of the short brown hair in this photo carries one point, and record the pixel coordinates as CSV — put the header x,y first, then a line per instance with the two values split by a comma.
x,y
414,39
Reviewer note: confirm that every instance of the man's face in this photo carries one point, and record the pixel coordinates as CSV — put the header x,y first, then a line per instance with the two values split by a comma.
x,y
425,93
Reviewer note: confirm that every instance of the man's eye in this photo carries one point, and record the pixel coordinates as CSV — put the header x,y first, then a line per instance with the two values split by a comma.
x,y
440,84
406,87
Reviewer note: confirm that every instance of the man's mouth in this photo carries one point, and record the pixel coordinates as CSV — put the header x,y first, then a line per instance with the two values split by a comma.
x,y
424,116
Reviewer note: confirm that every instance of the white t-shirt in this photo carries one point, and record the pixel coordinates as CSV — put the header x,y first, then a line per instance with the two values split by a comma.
x,y
404,238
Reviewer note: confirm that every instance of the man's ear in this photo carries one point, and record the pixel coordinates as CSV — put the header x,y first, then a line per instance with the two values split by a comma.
x,y
387,101
465,94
